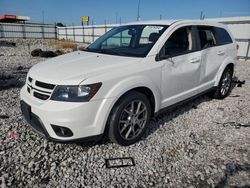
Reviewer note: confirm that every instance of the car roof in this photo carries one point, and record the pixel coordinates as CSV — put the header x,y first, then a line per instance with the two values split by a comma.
x,y
157,22
170,22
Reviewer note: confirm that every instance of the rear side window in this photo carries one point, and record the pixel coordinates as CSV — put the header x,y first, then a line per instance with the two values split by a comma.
x,y
207,36
222,36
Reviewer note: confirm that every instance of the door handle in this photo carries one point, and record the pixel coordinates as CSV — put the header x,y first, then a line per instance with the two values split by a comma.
x,y
195,60
220,52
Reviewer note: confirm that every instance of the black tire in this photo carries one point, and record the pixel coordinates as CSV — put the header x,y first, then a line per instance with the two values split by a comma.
x,y
47,54
117,126
36,52
224,87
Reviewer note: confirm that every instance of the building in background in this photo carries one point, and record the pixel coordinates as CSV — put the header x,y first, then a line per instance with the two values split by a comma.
x,y
9,18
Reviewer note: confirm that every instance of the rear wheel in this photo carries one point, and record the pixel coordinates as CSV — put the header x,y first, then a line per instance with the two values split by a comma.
x,y
224,87
129,119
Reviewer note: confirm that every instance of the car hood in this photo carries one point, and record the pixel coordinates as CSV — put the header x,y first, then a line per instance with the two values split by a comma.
x,y
73,68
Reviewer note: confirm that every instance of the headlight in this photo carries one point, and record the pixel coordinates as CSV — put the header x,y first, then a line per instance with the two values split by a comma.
x,y
75,93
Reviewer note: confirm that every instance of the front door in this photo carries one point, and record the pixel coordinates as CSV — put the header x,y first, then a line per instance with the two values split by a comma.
x,y
182,66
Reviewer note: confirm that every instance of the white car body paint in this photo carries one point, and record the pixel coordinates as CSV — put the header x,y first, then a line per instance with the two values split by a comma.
x,y
170,80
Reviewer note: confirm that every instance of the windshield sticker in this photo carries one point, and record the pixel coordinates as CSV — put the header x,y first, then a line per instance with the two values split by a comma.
x,y
153,27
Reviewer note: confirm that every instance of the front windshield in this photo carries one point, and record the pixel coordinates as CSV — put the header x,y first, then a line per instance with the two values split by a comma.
x,y
130,40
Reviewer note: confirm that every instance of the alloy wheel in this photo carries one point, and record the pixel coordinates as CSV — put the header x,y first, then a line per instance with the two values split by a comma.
x,y
133,119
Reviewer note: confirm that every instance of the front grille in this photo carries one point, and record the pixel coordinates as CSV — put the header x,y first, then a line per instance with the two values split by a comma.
x,y
38,89
41,96
45,85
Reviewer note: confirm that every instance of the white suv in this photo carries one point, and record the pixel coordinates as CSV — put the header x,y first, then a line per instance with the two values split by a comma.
x,y
125,77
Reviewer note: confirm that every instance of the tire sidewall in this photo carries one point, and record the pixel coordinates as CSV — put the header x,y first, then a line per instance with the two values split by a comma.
x,y
116,113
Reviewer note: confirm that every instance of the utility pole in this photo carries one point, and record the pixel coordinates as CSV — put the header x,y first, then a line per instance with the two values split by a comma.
x,y
202,16
116,18
138,11
160,17
43,16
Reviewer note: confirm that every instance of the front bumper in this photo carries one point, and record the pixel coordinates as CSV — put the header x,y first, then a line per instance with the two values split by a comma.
x,y
86,120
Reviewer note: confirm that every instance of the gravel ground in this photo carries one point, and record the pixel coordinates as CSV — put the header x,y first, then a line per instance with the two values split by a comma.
x,y
204,143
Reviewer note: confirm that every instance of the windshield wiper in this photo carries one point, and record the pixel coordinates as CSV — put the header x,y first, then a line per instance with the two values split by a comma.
x,y
114,52
93,50
105,51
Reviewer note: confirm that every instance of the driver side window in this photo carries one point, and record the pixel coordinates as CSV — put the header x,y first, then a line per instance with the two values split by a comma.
x,y
180,42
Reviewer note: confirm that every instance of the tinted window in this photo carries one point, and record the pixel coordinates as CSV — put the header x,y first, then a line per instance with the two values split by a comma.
x,y
222,36
207,37
180,42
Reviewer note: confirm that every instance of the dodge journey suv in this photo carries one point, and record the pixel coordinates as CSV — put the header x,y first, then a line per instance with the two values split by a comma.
x,y
125,77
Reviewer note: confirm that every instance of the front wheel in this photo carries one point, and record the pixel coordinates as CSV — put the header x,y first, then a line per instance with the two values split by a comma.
x,y
224,87
129,119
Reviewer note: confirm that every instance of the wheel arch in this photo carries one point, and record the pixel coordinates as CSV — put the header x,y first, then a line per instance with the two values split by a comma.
x,y
139,84
144,90
227,64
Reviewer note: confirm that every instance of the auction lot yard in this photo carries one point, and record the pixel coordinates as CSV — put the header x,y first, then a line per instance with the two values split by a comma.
x,y
204,143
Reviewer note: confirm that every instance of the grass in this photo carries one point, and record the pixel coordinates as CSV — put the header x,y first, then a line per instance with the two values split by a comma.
x,y
63,44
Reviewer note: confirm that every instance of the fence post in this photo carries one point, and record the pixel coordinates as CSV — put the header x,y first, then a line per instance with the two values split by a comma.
x,y
248,46
1,31
74,33
66,33
105,26
93,33
23,29
43,34
83,34
56,33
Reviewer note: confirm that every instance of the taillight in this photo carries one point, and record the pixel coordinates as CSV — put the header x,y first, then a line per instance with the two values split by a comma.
x,y
237,46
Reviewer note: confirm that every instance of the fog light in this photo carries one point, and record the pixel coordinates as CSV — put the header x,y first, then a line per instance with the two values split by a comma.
x,y
62,131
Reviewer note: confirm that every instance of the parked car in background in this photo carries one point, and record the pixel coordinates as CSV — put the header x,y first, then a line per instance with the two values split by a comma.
x,y
125,77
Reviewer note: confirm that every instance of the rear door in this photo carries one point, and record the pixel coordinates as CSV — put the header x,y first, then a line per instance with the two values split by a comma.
x,y
213,54
181,70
